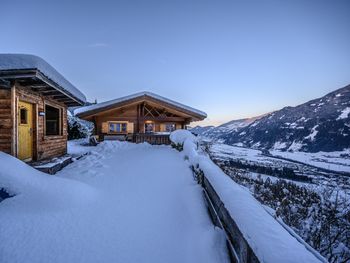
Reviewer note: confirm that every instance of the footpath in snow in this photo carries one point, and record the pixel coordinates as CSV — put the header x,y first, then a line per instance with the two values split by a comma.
x,y
122,203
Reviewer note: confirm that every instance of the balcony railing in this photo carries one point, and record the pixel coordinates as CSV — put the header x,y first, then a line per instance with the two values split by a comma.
x,y
151,138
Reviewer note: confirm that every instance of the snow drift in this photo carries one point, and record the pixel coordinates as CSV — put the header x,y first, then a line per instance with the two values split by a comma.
x,y
35,189
269,240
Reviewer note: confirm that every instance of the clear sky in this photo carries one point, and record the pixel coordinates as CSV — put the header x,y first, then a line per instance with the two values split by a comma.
x,y
232,59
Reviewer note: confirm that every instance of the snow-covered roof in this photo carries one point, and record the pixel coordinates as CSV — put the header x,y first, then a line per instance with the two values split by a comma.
x,y
27,62
107,104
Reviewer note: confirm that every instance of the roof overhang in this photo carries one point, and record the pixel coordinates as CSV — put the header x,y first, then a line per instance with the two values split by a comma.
x,y
38,82
194,116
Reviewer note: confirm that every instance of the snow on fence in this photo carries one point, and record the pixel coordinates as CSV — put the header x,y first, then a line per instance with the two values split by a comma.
x,y
255,235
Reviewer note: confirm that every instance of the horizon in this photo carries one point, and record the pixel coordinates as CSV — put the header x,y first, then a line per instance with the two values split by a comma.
x,y
232,60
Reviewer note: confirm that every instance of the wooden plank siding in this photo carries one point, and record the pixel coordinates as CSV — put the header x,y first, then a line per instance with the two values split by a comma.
x,y
44,147
135,117
6,122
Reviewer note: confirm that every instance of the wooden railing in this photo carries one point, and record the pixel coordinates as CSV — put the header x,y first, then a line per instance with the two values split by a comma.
x,y
151,138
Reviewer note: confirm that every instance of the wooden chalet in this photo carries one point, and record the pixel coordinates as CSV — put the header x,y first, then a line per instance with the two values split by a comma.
x,y
140,117
33,107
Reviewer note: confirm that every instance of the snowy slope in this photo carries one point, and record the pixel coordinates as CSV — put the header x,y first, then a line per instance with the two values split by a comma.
x,y
334,161
229,127
270,241
122,203
319,125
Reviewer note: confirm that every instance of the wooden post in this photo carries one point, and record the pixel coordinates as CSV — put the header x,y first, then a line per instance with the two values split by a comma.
x,y
14,120
138,119
95,124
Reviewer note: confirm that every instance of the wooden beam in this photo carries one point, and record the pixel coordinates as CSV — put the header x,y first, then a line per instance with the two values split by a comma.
x,y
138,119
162,119
38,86
56,86
51,93
14,123
17,74
57,97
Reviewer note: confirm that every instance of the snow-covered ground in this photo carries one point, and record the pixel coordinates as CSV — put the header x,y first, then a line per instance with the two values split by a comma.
x,y
122,203
225,151
270,241
334,161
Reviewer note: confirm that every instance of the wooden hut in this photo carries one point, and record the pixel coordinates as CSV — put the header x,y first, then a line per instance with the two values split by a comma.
x,y
33,107
140,117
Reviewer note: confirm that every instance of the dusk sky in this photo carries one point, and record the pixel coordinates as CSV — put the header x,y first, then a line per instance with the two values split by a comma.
x,y
231,59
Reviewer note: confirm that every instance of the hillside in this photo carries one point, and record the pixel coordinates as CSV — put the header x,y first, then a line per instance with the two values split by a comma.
x,y
226,128
321,124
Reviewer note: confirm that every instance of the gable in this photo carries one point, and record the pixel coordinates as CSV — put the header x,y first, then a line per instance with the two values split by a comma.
x,y
160,103
149,109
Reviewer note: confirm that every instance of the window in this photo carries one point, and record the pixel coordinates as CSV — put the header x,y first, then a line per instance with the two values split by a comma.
x,y
23,116
149,127
52,120
170,127
117,127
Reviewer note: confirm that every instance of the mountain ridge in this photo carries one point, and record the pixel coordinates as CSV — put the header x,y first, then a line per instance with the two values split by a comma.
x,y
321,124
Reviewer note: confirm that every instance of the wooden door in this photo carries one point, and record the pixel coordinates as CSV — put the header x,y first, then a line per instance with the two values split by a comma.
x,y
25,131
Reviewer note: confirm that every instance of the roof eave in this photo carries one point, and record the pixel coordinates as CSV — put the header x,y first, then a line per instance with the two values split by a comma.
x,y
14,74
143,96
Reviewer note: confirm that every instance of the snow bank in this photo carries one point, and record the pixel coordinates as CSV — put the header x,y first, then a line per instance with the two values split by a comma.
x,y
30,186
180,136
145,208
270,242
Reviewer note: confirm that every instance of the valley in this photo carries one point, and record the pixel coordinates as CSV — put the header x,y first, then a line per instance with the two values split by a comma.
x,y
312,201
318,174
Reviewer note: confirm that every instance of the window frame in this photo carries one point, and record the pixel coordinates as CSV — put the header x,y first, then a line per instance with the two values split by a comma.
x,y
26,116
172,124
153,127
60,120
116,123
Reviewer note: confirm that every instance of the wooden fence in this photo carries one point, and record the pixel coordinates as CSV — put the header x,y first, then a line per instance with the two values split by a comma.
x,y
151,138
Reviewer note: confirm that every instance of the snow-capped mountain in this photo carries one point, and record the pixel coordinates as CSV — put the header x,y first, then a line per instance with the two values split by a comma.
x,y
318,125
226,128
202,130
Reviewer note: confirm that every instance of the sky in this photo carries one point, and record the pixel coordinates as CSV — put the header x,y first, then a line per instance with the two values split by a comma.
x,y
231,59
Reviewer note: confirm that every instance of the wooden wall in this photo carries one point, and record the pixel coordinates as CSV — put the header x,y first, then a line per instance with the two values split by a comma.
x,y
45,146
5,121
128,114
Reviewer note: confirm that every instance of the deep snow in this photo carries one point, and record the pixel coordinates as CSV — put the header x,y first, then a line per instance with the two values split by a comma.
x,y
269,240
122,203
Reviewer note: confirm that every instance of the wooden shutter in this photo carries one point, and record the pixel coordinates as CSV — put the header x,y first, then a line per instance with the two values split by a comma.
x,y
130,127
162,127
104,127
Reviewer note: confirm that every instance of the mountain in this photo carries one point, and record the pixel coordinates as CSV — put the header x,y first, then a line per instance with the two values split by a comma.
x,y
202,130
226,128
321,124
